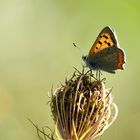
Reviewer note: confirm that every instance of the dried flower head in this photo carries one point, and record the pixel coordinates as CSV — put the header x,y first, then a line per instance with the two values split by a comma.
x,y
82,108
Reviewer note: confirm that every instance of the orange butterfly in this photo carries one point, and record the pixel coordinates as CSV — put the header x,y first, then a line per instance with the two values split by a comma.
x,y
105,53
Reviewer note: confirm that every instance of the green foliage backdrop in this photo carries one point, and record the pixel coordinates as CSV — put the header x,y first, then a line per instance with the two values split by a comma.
x,y
36,52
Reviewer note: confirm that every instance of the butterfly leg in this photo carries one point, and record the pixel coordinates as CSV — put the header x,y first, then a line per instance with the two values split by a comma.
x,y
90,71
83,68
98,74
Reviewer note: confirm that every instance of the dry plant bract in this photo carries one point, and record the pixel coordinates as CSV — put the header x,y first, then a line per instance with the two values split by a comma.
x,y
82,109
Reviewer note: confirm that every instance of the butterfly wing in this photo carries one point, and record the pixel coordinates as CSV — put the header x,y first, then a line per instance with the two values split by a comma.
x,y
109,59
105,39
105,53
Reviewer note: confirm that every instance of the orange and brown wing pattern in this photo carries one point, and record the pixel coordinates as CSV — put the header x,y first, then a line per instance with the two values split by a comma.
x,y
104,40
121,60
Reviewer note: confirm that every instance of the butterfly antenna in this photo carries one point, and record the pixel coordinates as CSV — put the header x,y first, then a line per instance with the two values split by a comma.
x,y
78,48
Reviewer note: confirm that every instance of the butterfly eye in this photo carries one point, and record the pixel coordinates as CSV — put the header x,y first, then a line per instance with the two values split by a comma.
x,y
84,57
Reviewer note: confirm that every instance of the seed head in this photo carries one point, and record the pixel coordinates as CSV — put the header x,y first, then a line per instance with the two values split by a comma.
x,y
82,108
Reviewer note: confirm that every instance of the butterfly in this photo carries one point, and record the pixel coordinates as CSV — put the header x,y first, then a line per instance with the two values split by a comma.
x,y
105,54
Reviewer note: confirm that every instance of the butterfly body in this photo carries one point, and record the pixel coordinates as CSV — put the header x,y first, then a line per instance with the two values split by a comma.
x,y
105,53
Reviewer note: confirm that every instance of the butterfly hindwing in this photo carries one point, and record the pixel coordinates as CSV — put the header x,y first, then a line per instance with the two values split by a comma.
x,y
105,39
121,60
108,59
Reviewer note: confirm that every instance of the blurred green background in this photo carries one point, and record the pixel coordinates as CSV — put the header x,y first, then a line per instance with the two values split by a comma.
x,y
36,52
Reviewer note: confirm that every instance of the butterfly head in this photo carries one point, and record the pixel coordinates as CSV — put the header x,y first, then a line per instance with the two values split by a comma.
x,y
86,60
84,57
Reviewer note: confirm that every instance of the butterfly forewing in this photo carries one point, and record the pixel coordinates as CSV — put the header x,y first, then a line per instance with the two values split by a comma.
x,y
105,39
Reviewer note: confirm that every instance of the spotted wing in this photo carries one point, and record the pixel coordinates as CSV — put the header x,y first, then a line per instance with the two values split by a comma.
x,y
105,39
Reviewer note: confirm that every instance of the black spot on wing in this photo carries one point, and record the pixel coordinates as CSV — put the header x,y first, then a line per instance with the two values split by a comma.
x,y
100,42
112,40
105,36
108,44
